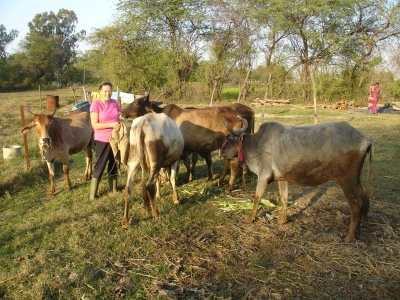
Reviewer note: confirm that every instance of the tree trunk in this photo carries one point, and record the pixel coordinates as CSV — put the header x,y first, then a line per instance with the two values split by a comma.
x,y
314,87
245,86
265,97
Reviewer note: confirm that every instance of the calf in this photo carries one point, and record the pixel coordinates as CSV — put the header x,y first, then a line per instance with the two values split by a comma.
x,y
61,137
307,156
155,142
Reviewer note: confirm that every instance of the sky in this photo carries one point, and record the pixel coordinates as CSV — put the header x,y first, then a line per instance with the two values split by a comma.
x,y
15,14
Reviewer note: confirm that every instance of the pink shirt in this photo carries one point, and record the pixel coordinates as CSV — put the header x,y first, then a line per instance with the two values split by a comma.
x,y
107,114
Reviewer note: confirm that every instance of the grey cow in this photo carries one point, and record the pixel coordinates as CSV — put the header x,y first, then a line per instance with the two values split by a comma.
x,y
306,156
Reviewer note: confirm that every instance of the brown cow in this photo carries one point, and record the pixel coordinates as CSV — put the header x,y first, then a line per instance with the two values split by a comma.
x,y
61,137
307,156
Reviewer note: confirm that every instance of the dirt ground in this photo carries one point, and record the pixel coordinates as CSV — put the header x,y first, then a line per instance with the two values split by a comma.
x,y
303,259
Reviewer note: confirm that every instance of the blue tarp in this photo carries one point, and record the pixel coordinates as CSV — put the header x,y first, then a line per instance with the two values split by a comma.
x,y
85,105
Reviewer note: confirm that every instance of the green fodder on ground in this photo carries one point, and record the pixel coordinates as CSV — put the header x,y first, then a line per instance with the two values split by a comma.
x,y
65,247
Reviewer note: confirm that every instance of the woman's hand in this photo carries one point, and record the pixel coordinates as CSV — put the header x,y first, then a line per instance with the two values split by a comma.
x,y
116,125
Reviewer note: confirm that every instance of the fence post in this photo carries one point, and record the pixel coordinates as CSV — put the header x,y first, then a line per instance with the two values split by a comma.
x,y
28,164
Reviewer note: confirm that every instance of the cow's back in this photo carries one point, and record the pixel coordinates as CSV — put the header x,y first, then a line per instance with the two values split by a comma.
x,y
202,129
310,155
72,132
159,138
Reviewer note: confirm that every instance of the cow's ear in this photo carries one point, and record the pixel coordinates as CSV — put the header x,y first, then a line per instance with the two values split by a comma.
x,y
27,127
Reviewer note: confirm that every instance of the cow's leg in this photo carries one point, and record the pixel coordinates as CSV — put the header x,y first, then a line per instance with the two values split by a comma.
x,y
50,167
234,166
224,172
173,180
150,189
208,159
261,185
131,171
158,192
186,162
355,197
66,173
89,169
195,158
283,192
242,170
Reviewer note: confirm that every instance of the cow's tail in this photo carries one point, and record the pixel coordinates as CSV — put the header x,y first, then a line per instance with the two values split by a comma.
x,y
365,211
142,155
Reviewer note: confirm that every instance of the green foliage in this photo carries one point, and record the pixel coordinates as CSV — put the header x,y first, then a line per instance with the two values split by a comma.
x,y
5,39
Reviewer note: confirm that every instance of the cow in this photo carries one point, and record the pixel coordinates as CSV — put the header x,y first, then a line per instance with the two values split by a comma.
x,y
202,129
155,142
61,137
306,156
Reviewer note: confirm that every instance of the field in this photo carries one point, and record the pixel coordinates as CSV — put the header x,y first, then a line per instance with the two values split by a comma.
x,y
65,247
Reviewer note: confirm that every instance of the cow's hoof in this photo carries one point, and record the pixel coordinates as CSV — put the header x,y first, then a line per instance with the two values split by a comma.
x,y
348,239
249,220
281,221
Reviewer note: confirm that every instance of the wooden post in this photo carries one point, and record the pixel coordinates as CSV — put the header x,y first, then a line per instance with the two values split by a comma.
x,y
28,164
40,98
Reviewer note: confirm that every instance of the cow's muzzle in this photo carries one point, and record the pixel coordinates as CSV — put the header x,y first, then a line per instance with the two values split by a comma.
x,y
45,142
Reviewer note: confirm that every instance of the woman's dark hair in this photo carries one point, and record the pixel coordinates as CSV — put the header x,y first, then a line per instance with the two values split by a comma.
x,y
105,83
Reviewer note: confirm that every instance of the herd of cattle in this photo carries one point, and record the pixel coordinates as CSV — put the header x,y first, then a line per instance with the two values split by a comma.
x,y
160,137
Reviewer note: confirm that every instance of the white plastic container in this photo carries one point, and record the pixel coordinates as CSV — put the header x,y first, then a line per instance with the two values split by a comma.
x,y
11,150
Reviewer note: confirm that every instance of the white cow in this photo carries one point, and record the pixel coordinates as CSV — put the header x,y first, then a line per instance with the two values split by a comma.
x,y
155,142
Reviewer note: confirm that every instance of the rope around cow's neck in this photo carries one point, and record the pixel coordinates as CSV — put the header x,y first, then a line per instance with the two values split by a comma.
x,y
239,148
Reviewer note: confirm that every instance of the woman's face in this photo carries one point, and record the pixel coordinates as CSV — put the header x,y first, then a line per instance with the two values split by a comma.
x,y
105,92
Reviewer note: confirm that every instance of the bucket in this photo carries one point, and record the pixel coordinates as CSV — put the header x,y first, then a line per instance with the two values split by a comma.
x,y
11,150
52,102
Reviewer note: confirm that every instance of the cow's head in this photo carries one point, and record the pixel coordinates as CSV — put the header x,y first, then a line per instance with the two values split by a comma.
x,y
138,107
41,123
232,145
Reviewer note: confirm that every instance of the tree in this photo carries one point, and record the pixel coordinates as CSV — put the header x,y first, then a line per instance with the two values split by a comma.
x,y
49,49
374,23
5,39
175,27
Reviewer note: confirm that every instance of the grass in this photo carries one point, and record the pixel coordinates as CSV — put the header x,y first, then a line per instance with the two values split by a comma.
x,y
65,247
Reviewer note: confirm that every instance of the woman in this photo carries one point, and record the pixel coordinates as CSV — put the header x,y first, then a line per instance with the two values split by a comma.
x,y
104,116
373,98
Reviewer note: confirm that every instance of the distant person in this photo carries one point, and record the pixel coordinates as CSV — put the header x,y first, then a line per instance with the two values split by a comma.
x,y
376,93
371,98
104,116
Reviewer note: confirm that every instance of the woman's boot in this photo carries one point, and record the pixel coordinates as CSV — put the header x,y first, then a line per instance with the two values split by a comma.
x,y
93,188
112,183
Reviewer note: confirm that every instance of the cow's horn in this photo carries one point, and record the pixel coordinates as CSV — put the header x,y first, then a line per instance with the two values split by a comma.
x,y
227,125
245,124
